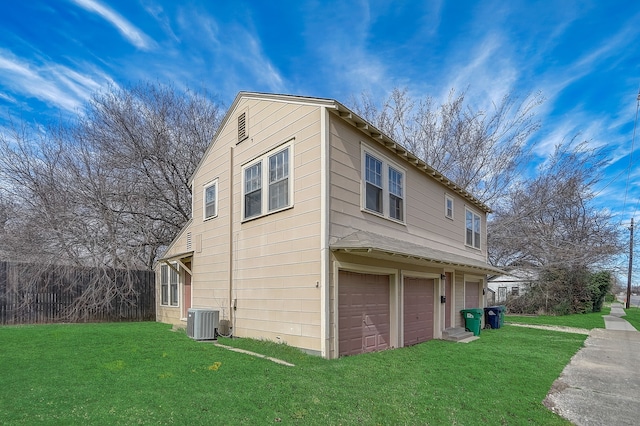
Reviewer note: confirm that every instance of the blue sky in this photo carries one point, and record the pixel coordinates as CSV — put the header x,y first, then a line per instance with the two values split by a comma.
x,y
584,57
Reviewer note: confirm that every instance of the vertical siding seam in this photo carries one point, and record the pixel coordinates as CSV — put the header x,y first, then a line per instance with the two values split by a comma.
x,y
324,234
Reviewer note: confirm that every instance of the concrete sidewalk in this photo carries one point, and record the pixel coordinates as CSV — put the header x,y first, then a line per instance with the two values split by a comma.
x,y
601,384
614,320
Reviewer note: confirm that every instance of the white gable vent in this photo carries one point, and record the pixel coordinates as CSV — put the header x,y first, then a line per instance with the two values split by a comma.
x,y
242,127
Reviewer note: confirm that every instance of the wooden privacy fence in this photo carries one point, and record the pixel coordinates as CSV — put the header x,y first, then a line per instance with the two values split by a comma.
x,y
31,294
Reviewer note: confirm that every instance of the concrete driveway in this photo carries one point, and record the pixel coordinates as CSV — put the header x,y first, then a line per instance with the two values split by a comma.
x,y
601,384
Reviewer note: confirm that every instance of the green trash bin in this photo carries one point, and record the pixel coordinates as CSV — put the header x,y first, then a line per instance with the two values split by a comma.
x,y
472,320
503,309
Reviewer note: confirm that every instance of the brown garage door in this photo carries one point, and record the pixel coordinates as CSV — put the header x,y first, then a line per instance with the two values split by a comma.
x,y
418,310
363,312
471,295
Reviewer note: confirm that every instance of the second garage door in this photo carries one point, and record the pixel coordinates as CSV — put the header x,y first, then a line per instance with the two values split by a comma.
x,y
363,312
418,310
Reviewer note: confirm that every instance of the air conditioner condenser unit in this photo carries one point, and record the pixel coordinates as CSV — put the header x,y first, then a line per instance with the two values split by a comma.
x,y
202,323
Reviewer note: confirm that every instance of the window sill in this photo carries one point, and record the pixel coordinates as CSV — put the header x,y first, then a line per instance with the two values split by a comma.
x,y
266,214
380,215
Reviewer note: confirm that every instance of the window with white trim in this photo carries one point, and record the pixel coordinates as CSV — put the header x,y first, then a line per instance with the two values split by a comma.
x,y
448,206
169,282
173,286
373,183
472,225
383,187
267,183
210,200
164,285
396,198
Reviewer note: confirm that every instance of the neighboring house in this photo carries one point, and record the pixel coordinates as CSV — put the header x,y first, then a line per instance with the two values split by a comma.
x,y
313,228
516,283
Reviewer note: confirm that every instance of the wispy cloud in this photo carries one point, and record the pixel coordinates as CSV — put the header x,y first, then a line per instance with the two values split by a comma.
x,y
126,28
486,69
8,98
232,49
51,83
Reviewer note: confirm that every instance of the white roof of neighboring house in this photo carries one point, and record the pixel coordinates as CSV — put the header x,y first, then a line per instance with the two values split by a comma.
x,y
517,276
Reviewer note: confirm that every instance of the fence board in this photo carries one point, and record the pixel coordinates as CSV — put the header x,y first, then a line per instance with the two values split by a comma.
x,y
30,294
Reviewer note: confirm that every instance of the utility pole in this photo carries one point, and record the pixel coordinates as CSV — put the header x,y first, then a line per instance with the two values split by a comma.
x,y
630,265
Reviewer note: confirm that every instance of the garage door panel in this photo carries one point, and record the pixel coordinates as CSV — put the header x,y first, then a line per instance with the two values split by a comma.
x,y
471,295
418,310
363,306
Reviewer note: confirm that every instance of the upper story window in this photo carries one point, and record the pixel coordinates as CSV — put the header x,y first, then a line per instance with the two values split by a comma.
x,y
384,183
396,199
373,179
210,200
267,183
448,206
472,229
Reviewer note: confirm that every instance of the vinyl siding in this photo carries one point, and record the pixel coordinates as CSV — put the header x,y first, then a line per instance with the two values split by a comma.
x,y
425,222
276,262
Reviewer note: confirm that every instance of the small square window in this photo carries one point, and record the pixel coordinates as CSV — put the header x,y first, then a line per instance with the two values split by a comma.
x,y
448,206
211,200
472,224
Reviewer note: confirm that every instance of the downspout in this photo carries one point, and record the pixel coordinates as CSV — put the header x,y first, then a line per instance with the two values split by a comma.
x,y
324,234
231,258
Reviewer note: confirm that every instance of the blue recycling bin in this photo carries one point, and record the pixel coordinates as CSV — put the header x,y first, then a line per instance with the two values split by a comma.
x,y
492,316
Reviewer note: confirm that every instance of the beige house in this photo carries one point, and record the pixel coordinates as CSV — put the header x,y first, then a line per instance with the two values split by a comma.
x,y
313,228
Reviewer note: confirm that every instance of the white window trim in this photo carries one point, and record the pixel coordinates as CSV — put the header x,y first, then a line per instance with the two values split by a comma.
x,y
448,198
204,200
474,213
169,269
264,159
386,163
163,268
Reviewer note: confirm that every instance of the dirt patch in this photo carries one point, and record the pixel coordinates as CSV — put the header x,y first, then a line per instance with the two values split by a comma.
x,y
554,328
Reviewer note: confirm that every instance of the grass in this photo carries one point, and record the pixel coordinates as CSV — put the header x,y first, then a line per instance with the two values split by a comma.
x,y
633,317
142,373
589,321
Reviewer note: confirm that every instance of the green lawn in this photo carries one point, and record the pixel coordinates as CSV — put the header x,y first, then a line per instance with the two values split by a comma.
x,y
142,373
633,317
588,321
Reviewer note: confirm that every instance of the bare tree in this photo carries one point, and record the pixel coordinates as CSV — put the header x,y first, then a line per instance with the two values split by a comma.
x,y
550,219
109,190
482,151
550,224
